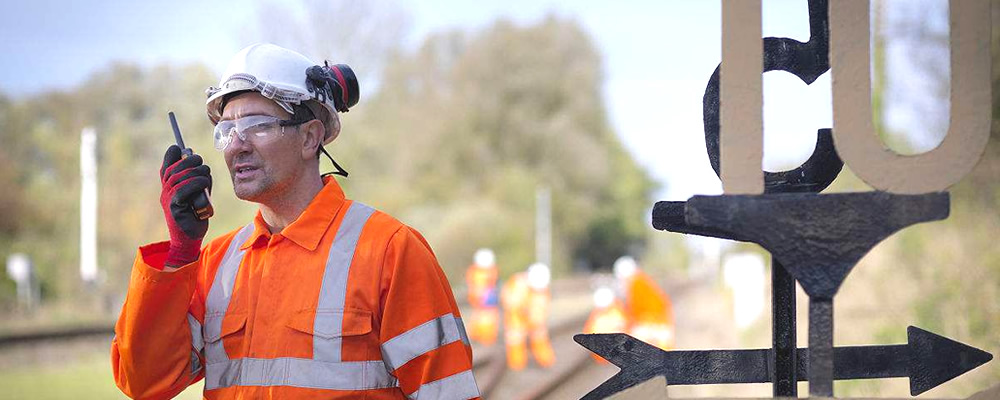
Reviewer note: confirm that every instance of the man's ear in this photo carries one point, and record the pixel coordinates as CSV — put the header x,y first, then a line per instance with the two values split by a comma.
x,y
312,137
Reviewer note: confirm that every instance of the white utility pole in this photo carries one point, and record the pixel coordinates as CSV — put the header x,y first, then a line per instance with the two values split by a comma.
x,y
20,271
88,205
543,225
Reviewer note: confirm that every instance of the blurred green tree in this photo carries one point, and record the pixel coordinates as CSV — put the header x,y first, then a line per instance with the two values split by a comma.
x,y
455,140
458,134
127,106
463,130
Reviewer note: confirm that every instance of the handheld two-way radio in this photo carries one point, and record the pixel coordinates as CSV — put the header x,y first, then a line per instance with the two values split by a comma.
x,y
202,203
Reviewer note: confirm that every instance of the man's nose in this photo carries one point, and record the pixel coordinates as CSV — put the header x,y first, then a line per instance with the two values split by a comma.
x,y
238,145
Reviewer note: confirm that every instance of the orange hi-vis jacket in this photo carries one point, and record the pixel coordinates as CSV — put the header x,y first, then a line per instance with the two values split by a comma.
x,y
645,302
526,309
610,319
482,285
345,302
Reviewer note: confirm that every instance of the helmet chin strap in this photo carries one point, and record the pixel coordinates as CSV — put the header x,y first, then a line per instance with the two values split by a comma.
x,y
340,171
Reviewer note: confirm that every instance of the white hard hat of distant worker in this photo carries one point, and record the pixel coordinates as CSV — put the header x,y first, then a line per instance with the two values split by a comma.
x,y
485,258
604,297
625,267
539,276
292,81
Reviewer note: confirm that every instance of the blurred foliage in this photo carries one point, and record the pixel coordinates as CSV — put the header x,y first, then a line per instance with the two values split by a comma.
x,y
455,141
458,134
463,130
127,106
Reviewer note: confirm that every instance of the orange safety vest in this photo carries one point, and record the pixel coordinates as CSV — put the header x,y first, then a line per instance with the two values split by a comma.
x,y
610,319
526,308
525,313
345,302
649,312
482,286
645,302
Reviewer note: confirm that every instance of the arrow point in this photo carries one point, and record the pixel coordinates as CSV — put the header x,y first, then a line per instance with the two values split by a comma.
x,y
935,359
620,349
599,342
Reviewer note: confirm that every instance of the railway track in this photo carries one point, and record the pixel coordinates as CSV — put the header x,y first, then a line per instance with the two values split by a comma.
x,y
575,373
491,369
57,334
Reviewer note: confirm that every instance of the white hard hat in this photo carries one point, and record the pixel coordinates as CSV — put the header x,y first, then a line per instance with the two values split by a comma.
x,y
288,78
539,276
485,258
603,297
625,267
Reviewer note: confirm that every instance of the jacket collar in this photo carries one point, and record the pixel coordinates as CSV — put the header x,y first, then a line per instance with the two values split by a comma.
x,y
308,229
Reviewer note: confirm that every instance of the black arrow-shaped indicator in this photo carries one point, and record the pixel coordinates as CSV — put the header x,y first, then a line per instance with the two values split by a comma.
x,y
927,359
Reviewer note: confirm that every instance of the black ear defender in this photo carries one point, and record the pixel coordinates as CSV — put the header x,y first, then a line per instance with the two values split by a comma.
x,y
337,82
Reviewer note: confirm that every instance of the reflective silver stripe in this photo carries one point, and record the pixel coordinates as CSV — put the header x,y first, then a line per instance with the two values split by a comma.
x,y
197,342
298,372
425,337
324,371
219,295
461,330
459,386
195,363
333,290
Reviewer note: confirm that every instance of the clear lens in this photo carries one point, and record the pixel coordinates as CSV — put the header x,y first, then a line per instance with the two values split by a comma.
x,y
255,129
258,129
224,134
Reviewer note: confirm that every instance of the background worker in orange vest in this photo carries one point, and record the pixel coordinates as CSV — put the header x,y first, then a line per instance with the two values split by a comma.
x,y
318,296
608,316
525,299
647,308
481,283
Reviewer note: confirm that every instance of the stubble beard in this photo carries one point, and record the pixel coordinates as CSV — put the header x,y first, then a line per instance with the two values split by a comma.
x,y
253,191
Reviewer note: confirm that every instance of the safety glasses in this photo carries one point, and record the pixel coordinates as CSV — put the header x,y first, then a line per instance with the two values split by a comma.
x,y
253,129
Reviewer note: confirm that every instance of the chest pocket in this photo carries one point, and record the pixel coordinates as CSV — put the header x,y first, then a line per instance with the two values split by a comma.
x,y
218,327
329,327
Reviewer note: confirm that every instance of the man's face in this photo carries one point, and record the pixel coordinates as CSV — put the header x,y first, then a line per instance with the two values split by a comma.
x,y
261,172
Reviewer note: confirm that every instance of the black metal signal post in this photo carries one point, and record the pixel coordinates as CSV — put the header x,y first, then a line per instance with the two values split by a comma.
x,y
783,331
814,239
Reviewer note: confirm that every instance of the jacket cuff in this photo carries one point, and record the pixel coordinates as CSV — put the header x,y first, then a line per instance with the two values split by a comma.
x,y
154,256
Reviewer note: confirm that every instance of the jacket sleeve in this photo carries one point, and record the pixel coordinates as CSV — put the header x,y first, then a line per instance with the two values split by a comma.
x,y
422,337
156,350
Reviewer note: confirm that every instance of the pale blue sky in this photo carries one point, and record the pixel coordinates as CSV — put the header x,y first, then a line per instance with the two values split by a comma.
x,y
658,57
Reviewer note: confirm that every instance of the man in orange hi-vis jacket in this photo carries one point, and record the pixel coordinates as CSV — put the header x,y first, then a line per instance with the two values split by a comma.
x,y
481,282
525,300
318,296
647,308
608,316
